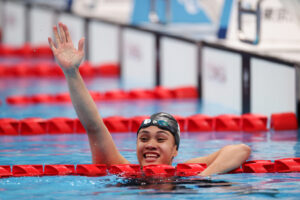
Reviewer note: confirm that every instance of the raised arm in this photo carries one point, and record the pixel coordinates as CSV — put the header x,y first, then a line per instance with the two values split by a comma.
x,y
226,159
103,148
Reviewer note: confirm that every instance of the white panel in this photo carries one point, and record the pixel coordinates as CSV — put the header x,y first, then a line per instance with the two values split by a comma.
x,y
273,87
41,21
75,25
279,26
138,65
1,16
222,78
178,63
103,42
14,24
113,10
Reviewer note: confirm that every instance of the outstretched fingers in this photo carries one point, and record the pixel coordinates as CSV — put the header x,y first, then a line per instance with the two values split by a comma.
x,y
67,34
56,36
62,32
51,44
81,45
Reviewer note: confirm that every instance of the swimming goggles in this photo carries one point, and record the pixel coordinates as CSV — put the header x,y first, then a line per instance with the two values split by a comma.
x,y
160,124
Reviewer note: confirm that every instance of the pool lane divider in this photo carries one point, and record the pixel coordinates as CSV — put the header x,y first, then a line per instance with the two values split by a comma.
x,y
188,92
119,124
27,51
286,165
51,69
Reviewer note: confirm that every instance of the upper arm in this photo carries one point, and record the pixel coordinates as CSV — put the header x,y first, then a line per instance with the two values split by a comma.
x,y
206,159
103,148
229,150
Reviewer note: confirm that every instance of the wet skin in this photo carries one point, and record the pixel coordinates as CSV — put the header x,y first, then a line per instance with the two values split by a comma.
x,y
155,146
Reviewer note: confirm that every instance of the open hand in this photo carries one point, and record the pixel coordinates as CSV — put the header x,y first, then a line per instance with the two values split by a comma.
x,y
66,55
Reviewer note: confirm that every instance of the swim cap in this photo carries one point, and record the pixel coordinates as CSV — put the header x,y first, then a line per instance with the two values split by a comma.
x,y
163,121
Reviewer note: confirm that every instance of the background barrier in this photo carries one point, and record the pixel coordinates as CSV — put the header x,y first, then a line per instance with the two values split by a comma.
x,y
150,55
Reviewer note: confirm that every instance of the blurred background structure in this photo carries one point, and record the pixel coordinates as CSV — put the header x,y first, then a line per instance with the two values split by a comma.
x,y
243,54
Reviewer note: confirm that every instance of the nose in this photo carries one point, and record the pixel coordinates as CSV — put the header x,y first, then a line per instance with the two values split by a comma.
x,y
151,145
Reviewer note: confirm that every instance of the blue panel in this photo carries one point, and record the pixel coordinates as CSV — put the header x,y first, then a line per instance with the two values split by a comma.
x,y
224,20
180,13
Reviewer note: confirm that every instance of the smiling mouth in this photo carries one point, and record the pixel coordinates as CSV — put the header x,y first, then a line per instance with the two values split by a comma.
x,y
150,157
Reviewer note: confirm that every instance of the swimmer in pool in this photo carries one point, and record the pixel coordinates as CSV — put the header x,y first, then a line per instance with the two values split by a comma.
x,y
158,138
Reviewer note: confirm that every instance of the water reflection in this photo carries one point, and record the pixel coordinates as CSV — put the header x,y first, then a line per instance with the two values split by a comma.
x,y
291,135
194,185
176,185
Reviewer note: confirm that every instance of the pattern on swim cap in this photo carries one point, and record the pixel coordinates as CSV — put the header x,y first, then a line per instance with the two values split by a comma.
x,y
171,121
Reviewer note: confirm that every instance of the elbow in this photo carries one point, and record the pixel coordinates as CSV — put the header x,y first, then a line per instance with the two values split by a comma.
x,y
241,152
244,150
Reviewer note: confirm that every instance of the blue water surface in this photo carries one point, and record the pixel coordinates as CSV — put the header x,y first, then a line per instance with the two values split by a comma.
x,y
74,149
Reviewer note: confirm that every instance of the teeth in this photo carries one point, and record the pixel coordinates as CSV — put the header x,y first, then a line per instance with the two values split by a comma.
x,y
151,155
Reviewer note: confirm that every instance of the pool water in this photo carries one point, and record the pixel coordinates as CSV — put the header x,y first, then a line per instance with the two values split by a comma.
x,y
74,149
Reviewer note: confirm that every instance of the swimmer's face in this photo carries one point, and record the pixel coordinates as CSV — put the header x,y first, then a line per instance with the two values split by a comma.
x,y
155,146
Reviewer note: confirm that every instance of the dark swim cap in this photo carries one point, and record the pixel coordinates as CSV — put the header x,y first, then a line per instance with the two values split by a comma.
x,y
163,121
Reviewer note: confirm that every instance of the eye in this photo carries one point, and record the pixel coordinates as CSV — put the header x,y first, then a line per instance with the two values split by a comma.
x,y
161,139
143,139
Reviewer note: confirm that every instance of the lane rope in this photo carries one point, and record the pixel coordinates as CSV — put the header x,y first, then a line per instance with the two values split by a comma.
x,y
27,51
286,165
158,93
51,69
120,124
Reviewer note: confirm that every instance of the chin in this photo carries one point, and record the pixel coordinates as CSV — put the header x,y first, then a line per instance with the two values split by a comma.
x,y
154,163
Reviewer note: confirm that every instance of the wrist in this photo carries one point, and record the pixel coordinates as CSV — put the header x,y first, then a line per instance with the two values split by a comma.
x,y
71,72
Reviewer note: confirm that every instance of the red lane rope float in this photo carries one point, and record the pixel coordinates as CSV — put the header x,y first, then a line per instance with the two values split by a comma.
x,y
9,126
199,122
126,170
227,123
286,165
91,170
163,93
119,124
184,93
98,96
5,171
51,69
190,169
26,50
33,126
61,125
60,169
284,121
159,171
27,170
259,166
254,122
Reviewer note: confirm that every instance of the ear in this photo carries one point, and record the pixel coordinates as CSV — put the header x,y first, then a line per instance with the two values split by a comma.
x,y
175,152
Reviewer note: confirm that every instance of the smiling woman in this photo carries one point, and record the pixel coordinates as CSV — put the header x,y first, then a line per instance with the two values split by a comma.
x,y
158,140
155,146
158,137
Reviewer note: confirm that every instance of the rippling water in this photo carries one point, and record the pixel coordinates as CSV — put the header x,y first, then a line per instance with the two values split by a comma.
x,y
74,149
